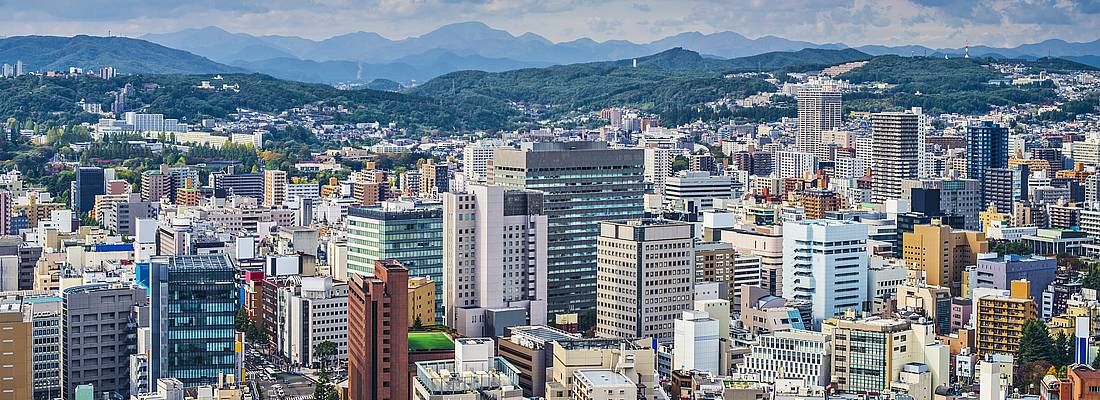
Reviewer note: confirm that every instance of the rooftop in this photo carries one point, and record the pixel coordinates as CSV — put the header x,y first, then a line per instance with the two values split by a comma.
x,y
430,341
601,378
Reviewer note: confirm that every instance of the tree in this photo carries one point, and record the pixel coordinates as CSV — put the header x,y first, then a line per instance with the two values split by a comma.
x,y
417,324
325,351
1035,343
1010,247
1096,360
324,389
680,163
1063,349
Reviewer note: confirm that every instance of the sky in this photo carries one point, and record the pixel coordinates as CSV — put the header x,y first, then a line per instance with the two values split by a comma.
x,y
935,23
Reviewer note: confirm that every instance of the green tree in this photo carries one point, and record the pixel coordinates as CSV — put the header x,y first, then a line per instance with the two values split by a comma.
x,y
1010,247
1096,360
680,163
1036,344
324,389
1063,349
325,351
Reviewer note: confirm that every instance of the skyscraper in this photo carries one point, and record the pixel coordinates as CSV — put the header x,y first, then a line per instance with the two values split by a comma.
x,y
895,157
378,334
583,183
494,259
818,111
986,149
645,278
89,184
825,263
192,307
89,312
405,231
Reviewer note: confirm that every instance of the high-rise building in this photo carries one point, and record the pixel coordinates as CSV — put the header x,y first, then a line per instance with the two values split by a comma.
x,y
275,182
658,166
940,253
818,202
695,191
193,301
957,197
818,111
645,277
583,183
5,212
378,341
986,149
46,312
89,184
825,263
99,320
475,160
794,164
895,156
1000,315
494,260
16,330
1006,186
435,179
405,231
155,185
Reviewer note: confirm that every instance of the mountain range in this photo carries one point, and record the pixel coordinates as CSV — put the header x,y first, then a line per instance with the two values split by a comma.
x,y
56,53
474,45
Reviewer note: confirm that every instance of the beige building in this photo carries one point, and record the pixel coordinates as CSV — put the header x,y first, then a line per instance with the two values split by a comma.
x,y
421,301
940,253
644,277
275,185
630,360
869,355
15,354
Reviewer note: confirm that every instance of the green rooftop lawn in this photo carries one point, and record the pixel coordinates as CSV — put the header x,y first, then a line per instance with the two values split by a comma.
x,y
428,341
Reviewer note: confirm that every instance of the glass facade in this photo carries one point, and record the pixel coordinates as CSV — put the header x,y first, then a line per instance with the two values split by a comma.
x,y
412,236
194,303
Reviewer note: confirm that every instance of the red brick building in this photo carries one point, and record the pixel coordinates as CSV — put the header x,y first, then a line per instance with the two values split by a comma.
x,y
378,342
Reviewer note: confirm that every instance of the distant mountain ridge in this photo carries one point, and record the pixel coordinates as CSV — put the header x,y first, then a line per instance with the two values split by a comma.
x,y
476,38
124,54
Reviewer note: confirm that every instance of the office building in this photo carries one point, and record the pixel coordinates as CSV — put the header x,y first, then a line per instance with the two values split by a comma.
x,y
585,183
794,164
696,340
421,301
378,342
494,259
275,183
817,202
406,231
201,290
999,317
986,149
819,110
825,263
530,350
694,192
474,371
940,253
1004,187
957,197
96,318
644,279
316,311
1000,271
765,242
232,184
89,184
793,354
632,360
894,157
869,355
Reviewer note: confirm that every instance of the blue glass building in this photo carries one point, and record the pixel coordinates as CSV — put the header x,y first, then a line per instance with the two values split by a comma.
x,y
193,302
986,149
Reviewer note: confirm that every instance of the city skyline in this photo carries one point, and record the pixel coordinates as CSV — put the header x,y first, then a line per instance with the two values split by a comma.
x,y
895,22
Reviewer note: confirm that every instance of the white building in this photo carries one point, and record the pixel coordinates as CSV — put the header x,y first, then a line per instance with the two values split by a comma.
x,y
494,259
995,377
695,191
793,354
696,343
825,263
794,164
895,157
317,313
475,158
304,191
601,384
658,166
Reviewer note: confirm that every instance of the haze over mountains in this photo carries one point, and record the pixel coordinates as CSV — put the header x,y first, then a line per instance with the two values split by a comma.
x,y
361,57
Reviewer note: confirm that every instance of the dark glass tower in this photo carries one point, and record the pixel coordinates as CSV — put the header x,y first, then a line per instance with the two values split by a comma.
x,y
986,149
89,184
193,302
